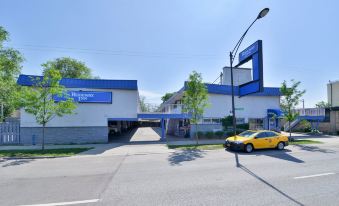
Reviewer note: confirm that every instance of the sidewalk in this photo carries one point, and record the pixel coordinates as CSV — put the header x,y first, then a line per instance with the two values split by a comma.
x,y
37,147
326,139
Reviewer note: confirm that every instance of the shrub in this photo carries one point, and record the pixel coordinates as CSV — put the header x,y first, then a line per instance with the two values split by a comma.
x,y
209,134
243,126
200,134
227,121
219,134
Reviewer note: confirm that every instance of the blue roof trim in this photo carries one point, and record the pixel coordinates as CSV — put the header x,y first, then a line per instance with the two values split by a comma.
x,y
312,118
163,116
227,90
26,80
123,119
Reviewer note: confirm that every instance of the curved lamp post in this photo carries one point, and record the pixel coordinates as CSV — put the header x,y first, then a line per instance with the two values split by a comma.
x,y
233,53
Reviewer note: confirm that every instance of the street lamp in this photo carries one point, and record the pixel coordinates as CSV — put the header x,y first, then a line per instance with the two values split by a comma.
x,y
233,53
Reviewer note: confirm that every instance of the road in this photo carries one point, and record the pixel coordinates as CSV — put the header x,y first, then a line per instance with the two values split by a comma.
x,y
154,175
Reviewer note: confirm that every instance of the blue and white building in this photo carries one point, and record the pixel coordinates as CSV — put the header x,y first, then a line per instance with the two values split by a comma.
x,y
260,110
99,103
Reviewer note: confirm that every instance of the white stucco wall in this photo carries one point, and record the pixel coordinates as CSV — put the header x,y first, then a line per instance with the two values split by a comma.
x,y
124,105
333,96
251,106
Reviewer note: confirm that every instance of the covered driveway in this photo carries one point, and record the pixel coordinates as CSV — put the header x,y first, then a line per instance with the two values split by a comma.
x,y
162,117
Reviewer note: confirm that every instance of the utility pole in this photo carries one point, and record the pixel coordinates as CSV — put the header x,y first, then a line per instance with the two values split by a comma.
x,y
303,104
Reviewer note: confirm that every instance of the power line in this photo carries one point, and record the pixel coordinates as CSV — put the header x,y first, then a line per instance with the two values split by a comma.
x,y
44,48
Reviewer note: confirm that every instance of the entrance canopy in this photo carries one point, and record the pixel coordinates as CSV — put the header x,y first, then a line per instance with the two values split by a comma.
x,y
162,117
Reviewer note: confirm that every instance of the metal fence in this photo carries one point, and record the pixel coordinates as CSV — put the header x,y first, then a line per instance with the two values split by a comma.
x,y
10,132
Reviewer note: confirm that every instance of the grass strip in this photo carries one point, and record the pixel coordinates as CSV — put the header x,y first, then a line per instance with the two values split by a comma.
x,y
43,153
304,141
198,147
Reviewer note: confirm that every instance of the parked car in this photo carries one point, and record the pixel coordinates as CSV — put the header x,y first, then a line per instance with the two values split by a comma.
x,y
256,139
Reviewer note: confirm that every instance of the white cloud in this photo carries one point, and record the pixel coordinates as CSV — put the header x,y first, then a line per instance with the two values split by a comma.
x,y
151,97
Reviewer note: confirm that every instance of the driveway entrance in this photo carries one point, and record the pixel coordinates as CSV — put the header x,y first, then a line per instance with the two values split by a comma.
x,y
146,134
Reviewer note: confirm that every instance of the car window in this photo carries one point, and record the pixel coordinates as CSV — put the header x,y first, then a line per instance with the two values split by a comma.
x,y
261,135
271,134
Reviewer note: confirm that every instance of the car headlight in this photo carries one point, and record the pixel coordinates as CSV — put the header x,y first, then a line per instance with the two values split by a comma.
x,y
237,142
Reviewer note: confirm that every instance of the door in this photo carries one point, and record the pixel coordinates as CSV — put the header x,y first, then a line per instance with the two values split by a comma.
x,y
272,139
260,141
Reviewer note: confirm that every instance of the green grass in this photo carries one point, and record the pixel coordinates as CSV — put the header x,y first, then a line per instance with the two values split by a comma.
x,y
200,147
304,141
42,153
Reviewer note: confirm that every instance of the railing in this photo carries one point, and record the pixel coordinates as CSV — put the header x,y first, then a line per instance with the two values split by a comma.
x,y
311,112
172,108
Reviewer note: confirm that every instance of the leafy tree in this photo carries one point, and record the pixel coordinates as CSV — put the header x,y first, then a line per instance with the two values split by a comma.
x,y
290,99
38,99
10,68
227,121
69,68
167,96
322,104
195,99
147,107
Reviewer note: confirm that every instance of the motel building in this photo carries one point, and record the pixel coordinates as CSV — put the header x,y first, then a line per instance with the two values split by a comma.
x,y
109,108
259,110
105,109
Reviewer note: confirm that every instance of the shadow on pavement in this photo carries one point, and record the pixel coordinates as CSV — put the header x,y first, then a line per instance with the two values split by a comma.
x,y
311,148
279,154
8,162
248,171
178,157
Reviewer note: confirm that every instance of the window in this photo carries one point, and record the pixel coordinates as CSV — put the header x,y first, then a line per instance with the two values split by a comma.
x,y
210,121
256,124
261,135
216,121
207,121
271,134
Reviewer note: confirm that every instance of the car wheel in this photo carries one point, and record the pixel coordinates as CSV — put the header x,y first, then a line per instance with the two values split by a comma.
x,y
248,148
280,146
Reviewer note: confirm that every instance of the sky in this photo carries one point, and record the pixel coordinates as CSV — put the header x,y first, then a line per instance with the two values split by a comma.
x,y
160,42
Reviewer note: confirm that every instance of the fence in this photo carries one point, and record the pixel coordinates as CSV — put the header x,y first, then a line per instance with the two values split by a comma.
x,y
10,132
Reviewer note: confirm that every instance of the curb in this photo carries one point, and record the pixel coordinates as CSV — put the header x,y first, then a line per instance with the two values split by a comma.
x,y
36,157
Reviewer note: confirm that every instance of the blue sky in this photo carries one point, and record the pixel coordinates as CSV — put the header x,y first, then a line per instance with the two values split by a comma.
x,y
160,42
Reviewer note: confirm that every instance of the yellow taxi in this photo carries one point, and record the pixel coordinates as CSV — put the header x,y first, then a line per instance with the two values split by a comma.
x,y
256,139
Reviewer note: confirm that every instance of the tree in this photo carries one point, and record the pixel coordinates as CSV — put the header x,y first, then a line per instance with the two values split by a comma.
x,y
69,68
38,100
322,104
227,121
195,99
167,96
147,107
290,99
10,68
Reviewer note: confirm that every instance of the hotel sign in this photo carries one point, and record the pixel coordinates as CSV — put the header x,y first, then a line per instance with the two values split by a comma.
x,y
87,97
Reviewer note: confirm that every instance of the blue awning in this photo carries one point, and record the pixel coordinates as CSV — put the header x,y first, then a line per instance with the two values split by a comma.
x,y
277,112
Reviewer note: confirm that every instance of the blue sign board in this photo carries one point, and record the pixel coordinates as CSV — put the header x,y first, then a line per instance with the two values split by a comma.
x,y
87,97
254,53
249,51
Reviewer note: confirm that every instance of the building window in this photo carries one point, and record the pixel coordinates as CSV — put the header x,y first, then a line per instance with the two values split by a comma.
x,y
210,121
256,123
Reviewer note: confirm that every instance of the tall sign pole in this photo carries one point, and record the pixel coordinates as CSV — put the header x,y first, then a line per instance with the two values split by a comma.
x,y
233,106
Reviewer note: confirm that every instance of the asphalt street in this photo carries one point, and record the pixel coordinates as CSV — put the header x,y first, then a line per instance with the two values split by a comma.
x,y
300,175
